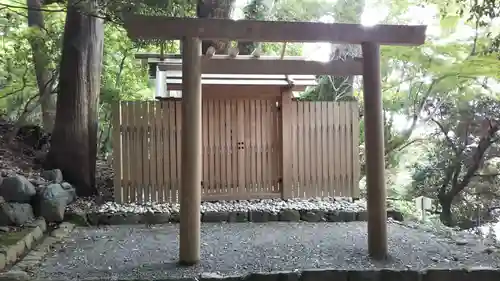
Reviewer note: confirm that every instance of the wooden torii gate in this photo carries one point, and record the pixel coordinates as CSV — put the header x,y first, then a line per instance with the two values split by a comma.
x,y
192,30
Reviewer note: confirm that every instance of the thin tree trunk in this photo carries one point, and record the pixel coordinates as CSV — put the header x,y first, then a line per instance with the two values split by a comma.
x,y
74,139
41,62
346,12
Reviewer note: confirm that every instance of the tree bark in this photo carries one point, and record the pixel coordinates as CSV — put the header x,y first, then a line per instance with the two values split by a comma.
x,y
446,215
255,10
215,9
74,139
346,12
41,62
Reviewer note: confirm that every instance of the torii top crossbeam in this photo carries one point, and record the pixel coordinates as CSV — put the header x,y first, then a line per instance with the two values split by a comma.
x,y
157,27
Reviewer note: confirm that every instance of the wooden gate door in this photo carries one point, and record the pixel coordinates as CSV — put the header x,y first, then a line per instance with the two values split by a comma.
x,y
258,156
240,149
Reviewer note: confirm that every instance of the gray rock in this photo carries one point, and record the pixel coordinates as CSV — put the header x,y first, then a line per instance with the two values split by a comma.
x,y
365,275
9,253
54,176
15,275
399,275
333,216
362,216
215,217
238,217
119,219
312,215
324,274
396,215
289,215
264,276
347,216
483,273
155,218
17,189
217,277
78,218
288,276
175,217
437,274
15,213
262,216
3,261
53,201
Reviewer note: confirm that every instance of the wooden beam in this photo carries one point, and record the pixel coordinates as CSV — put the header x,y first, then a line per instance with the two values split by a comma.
x,y
191,164
245,65
157,27
374,145
157,56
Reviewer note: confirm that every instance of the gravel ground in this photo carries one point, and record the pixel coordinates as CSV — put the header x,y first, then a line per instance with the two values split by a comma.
x,y
130,252
272,205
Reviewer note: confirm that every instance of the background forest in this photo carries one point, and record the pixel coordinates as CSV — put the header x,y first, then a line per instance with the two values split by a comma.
x,y
441,100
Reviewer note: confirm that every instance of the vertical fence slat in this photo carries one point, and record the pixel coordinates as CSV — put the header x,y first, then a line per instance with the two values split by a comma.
x,y
126,152
336,149
348,150
228,146
217,146
324,148
178,143
315,147
343,148
152,152
258,147
167,176
159,151
211,148
331,148
355,151
145,151
239,137
294,150
133,155
205,148
277,147
172,151
266,118
117,152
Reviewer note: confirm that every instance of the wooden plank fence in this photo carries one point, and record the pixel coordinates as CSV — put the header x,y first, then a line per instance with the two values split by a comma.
x,y
242,149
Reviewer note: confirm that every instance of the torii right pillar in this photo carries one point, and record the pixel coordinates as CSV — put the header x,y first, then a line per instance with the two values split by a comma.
x,y
374,152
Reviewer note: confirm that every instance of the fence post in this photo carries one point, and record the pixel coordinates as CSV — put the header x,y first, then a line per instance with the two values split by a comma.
x,y
355,192
117,151
286,143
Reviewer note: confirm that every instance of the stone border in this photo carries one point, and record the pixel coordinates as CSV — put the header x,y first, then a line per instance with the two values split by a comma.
x,y
473,274
287,215
20,270
434,274
10,254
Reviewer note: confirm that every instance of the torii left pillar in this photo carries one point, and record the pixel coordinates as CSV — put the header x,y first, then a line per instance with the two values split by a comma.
x,y
191,157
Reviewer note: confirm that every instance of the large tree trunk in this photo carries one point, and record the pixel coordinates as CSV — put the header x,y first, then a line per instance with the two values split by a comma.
x,y
215,9
74,139
41,62
255,10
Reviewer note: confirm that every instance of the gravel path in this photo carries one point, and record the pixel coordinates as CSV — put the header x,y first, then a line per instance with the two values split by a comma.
x,y
131,252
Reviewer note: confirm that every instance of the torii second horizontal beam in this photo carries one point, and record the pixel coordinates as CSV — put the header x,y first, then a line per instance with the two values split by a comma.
x,y
246,65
